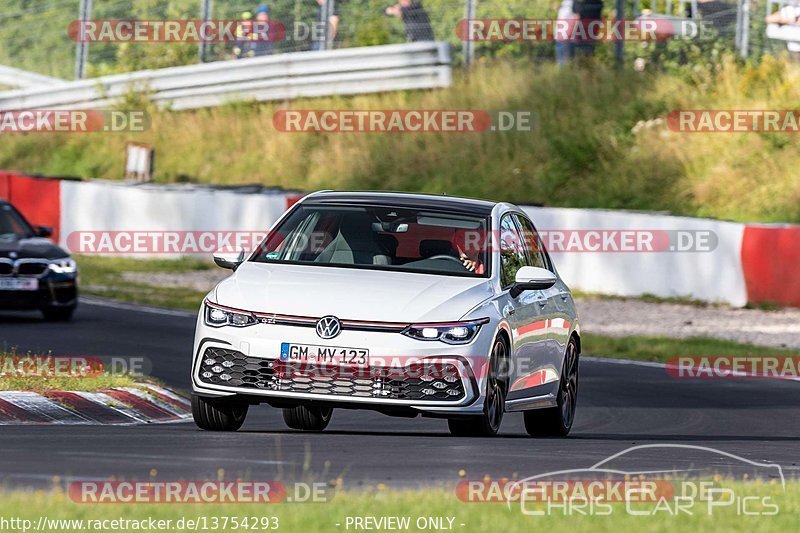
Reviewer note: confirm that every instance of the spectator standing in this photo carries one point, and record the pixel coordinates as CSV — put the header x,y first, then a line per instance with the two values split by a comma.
x,y
415,19
586,11
564,48
322,19
244,32
787,15
262,45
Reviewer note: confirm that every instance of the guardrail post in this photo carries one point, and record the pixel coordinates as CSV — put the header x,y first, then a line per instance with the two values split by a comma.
x,y
619,44
743,28
328,10
82,46
205,15
468,48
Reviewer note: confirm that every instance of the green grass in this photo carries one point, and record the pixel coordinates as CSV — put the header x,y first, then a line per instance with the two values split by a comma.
x,y
477,517
600,141
102,276
35,372
661,349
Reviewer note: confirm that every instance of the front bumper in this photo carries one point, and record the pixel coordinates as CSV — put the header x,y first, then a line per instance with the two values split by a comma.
x,y
430,377
54,291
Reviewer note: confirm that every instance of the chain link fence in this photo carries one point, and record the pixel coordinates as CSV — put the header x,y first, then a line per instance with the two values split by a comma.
x,y
33,34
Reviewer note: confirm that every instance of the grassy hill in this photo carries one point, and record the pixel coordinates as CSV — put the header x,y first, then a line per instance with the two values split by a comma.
x,y
600,142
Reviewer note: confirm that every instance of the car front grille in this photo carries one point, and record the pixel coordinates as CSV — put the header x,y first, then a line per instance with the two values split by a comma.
x,y
23,267
31,269
417,382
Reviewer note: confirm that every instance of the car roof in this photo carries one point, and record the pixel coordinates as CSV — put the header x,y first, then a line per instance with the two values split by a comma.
x,y
399,199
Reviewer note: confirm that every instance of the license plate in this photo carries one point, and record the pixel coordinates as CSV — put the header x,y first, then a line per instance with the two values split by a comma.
x,y
324,355
19,284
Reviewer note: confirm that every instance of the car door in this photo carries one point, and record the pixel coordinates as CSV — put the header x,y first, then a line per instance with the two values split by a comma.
x,y
556,297
525,313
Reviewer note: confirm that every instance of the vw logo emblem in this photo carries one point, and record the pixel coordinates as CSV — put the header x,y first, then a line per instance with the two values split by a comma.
x,y
329,327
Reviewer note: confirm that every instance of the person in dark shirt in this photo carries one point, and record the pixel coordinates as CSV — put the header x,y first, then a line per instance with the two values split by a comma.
x,y
262,46
415,19
587,11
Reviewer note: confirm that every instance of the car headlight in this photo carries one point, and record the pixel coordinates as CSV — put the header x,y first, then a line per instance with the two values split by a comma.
x,y
217,317
453,333
64,266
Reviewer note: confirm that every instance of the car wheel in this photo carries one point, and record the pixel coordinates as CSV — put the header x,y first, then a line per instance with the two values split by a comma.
x,y
305,418
488,423
218,414
557,421
58,314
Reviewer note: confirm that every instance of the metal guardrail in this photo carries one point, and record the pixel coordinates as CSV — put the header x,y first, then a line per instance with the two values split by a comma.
x,y
294,75
14,77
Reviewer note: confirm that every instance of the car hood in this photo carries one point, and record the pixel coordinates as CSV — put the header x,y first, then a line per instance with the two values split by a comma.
x,y
33,248
353,294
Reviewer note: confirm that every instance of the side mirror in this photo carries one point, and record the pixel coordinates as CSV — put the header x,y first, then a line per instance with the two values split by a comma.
x,y
42,231
229,260
532,279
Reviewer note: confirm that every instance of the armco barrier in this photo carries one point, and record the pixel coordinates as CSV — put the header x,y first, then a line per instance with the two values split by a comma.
x,y
750,262
294,75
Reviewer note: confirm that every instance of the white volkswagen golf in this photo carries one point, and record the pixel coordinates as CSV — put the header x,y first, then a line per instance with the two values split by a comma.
x,y
404,304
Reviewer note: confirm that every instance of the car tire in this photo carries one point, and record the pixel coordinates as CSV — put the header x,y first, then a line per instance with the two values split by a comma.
x,y
557,421
488,423
58,314
218,414
307,418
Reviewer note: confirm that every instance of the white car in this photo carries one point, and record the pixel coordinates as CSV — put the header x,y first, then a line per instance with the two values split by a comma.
x,y
404,304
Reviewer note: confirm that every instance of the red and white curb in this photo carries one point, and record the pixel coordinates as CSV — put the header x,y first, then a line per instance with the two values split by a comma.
x,y
146,403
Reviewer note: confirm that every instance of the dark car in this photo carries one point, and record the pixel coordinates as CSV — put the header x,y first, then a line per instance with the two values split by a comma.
x,y
35,274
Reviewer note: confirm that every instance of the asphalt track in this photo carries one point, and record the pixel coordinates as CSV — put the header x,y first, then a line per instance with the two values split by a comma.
x,y
620,406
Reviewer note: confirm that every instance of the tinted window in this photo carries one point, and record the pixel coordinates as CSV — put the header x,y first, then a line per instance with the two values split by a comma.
x,y
412,240
512,255
12,225
534,248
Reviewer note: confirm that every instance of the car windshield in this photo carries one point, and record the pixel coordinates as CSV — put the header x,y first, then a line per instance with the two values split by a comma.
x,y
379,238
12,225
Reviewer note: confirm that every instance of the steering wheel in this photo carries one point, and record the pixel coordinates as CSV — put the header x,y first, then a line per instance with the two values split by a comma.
x,y
445,256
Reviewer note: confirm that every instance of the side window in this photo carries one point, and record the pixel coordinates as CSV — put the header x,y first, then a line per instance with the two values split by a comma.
x,y
512,255
533,246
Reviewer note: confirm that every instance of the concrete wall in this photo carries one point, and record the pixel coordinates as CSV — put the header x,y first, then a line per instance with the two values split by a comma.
x,y
749,262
